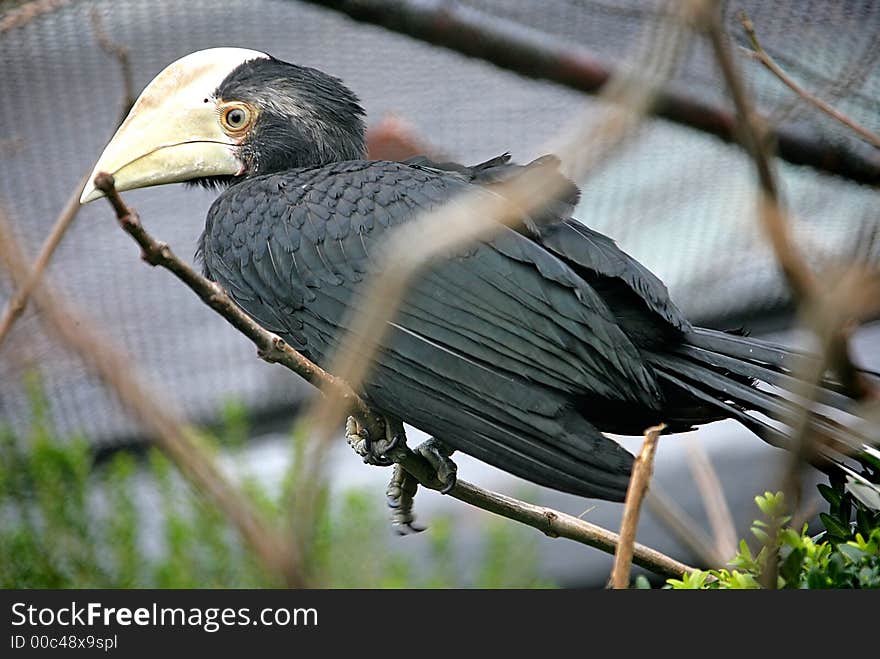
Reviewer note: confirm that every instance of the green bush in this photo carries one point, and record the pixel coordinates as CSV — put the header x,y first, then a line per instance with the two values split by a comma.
x,y
846,554
67,522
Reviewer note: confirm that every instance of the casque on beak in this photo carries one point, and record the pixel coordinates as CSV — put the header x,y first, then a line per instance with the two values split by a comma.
x,y
173,132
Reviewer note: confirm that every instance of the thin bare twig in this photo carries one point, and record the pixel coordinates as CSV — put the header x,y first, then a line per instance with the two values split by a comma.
x,y
18,302
635,494
755,139
770,64
274,349
684,527
550,522
178,441
712,494
800,278
556,524
826,310
121,54
805,286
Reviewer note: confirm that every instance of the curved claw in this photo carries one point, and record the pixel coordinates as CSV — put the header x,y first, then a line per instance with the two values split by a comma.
x,y
407,528
373,452
379,454
382,459
400,494
437,454
364,433
378,460
393,443
453,479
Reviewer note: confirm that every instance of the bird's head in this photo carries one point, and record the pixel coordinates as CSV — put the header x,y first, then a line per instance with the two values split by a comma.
x,y
222,114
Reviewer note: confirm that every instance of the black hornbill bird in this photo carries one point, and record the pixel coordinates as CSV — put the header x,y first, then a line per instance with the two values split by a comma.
x,y
521,350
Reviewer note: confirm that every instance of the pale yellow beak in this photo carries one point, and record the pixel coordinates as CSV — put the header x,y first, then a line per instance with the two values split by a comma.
x,y
173,132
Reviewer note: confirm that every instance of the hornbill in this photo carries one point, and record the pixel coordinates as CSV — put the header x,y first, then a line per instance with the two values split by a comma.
x,y
520,350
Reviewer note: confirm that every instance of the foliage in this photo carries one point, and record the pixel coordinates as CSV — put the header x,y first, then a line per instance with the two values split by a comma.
x,y
846,555
131,522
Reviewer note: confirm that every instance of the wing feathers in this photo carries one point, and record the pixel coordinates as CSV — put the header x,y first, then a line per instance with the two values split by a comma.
x,y
492,348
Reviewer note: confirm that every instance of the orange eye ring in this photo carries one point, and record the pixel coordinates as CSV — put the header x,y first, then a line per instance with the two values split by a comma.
x,y
236,118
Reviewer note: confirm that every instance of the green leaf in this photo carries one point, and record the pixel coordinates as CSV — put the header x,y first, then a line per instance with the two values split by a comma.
x,y
768,503
642,583
869,577
866,494
761,535
834,527
791,567
741,581
851,552
817,579
692,581
865,521
789,538
830,495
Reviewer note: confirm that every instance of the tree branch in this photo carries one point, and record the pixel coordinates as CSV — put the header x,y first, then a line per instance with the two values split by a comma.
x,y
805,286
178,441
270,347
19,299
635,494
683,526
470,33
273,348
23,15
714,501
122,56
18,302
827,310
770,64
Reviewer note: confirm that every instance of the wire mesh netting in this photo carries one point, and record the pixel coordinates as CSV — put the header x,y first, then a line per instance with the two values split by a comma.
x,y
679,200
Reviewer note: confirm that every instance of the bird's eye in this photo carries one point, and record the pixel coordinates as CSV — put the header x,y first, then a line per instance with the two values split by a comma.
x,y
236,118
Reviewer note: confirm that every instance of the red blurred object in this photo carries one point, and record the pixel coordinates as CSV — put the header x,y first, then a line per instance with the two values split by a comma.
x,y
393,138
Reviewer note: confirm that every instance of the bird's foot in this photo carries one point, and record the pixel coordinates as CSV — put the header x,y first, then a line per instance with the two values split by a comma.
x,y
402,489
437,454
400,495
390,450
374,451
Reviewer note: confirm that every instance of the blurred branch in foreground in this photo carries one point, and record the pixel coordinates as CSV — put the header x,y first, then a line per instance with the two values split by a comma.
x,y
477,215
831,305
712,494
177,440
643,469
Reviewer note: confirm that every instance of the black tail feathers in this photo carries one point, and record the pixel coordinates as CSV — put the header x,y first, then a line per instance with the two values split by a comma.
x,y
756,382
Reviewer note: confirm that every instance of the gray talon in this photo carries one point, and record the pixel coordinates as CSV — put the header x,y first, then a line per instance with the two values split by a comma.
x,y
372,451
402,489
401,493
437,454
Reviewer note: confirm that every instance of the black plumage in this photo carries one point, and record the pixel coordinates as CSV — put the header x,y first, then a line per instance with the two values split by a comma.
x,y
520,350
